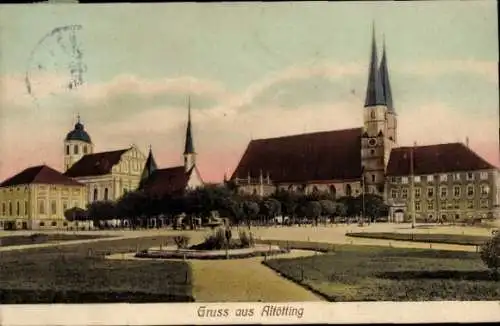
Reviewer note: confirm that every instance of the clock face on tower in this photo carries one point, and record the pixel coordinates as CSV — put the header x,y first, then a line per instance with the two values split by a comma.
x,y
372,142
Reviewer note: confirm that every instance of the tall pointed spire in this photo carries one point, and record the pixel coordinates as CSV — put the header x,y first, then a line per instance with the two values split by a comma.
x,y
189,148
149,167
374,91
386,84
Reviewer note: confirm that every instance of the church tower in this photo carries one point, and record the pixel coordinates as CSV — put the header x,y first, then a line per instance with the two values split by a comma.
x,y
379,130
149,168
189,153
76,145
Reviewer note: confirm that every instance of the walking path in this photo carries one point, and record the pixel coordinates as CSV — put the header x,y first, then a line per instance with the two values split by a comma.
x,y
243,280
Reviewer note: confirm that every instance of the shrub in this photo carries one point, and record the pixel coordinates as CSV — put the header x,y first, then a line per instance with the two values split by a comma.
x,y
246,239
182,241
490,253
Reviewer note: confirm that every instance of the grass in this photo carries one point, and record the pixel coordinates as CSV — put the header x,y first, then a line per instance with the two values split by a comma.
x,y
80,274
38,238
457,239
371,273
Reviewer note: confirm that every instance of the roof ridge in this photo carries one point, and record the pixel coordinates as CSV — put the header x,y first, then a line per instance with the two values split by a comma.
x,y
309,133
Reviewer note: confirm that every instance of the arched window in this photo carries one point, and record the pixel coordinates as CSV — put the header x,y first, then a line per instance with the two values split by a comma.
x,y
372,114
10,208
53,207
75,149
85,150
26,208
105,193
18,210
41,207
348,190
95,194
333,191
3,209
67,149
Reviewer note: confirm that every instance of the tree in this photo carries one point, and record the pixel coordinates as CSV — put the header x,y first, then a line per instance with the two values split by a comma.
x,y
490,254
341,209
327,208
251,210
270,208
313,209
101,211
76,214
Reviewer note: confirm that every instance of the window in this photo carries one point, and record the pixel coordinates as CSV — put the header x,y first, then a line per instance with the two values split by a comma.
x,y
470,176
394,179
417,206
10,209
470,190
333,190
75,204
443,177
484,203
41,207
3,208
470,204
54,223
106,193
67,149
85,150
456,176
483,175
430,178
485,190
430,192
372,151
443,205
417,179
404,180
373,177
53,207
430,205
125,189
75,149
394,193
42,224
404,193
65,206
418,192
444,192
348,190
456,191
95,194
456,204
18,209
372,114
26,208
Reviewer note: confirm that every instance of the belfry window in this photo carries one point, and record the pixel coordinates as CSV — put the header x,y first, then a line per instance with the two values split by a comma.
x,y
372,114
85,149
67,149
95,194
75,149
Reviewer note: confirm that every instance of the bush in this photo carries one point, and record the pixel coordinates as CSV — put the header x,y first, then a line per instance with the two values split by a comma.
x,y
182,241
246,239
490,253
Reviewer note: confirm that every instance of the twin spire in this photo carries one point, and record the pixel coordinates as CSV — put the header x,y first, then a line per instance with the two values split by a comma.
x,y
378,90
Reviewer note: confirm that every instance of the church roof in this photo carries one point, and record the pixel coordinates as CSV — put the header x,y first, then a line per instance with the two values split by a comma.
x,y
320,156
167,181
95,164
41,174
79,133
149,167
374,89
440,158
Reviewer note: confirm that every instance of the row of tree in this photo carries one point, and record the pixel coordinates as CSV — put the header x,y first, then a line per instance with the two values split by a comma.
x,y
137,206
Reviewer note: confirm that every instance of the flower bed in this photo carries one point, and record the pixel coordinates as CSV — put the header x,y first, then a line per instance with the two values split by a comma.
x,y
457,239
172,253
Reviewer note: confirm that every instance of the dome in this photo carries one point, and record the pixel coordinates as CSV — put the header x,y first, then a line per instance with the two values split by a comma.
x,y
79,133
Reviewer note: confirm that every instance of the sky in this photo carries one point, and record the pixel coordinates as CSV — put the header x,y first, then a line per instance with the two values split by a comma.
x,y
252,70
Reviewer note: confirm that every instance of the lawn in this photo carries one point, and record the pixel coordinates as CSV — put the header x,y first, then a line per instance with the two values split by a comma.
x,y
471,240
369,273
80,274
38,238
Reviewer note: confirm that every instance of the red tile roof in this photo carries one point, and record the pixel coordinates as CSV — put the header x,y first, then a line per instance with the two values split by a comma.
x,y
167,181
440,158
95,164
41,174
330,155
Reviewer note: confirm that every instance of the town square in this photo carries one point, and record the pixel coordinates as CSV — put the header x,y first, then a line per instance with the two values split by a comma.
x,y
213,157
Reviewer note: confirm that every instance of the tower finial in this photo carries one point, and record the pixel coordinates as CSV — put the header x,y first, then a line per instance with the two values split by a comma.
x,y
78,117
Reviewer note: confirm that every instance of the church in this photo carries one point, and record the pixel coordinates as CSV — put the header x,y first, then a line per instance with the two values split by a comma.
x,y
38,196
434,182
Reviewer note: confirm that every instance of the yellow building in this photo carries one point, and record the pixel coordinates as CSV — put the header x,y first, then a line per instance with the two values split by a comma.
x,y
37,198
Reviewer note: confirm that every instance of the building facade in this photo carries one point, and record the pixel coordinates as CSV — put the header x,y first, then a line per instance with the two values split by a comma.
x,y
436,182
37,198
